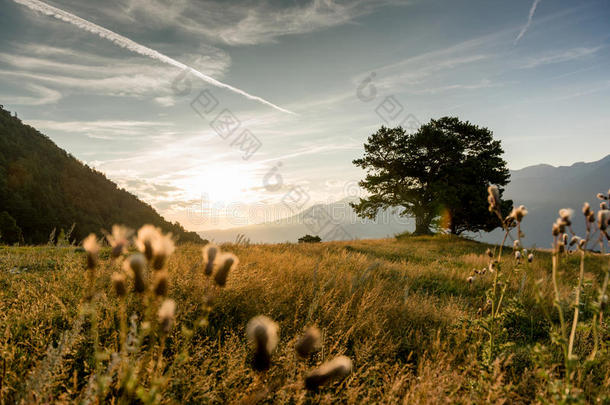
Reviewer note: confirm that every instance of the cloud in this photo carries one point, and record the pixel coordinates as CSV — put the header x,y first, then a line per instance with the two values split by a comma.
x,y
133,46
102,129
79,71
43,95
560,56
530,18
250,23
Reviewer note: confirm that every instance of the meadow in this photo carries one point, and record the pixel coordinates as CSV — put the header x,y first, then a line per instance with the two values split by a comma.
x,y
411,313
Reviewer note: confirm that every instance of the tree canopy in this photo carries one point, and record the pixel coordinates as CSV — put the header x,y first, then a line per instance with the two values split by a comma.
x,y
440,172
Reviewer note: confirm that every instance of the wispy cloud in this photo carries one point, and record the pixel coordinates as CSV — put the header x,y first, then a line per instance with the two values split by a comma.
x,y
560,56
40,96
250,23
102,129
530,18
133,46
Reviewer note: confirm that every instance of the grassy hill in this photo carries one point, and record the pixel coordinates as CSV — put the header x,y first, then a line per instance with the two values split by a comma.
x,y
43,188
401,309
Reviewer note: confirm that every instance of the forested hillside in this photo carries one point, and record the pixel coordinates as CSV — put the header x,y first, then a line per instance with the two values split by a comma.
x,y
42,188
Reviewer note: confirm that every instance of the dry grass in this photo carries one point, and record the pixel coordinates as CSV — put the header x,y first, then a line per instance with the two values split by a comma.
x,y
400,309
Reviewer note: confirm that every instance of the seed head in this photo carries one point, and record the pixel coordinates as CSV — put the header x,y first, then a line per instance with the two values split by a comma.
x,y
309,342
144,242
493,198
601,196
530,257
489,253
162,248
586,209
516,244
518,255
119,240
566,215
603,205
518,213
119,283
166,314
136,266
228,262
262,333
335,370
92,248
161,283
470,279
603,219
210,252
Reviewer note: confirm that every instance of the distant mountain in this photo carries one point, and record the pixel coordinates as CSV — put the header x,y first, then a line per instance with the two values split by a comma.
x,y
334,221
543,189
42,188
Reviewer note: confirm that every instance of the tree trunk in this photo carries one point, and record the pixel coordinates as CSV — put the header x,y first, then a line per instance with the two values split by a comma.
x,y
422,224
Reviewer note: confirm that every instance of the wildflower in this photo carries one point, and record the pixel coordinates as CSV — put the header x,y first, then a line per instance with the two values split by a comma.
x,y
163,247
582,244
603,205
119,283
144,242
262,333
565,238
161,283
166,314
566,215
518,255
309,342
92,248
586,209
209,256
228,262
470,279
136,266
575,239
119,240
555,229
561,225
530,257
603,219
336,369
601,196
516,244
493,198
518,213
489,253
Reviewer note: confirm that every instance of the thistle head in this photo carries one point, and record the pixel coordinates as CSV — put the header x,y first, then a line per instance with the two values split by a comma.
x,y
92,248
210,253
493,198
119,240
603,205
166,314
335,370
309,342
119,282
518,255
262,333
586,209
530,257
516,244
161,283
518,213
566,215
470,279
603,219
489,253
228,262
601,196
135,265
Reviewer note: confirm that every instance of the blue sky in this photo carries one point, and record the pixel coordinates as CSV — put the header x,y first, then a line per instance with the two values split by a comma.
x,y
536,73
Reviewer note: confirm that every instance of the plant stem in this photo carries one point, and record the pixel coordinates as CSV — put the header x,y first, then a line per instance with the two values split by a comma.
x,y
576,303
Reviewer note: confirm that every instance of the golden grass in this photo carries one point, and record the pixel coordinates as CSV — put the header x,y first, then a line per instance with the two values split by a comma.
x,y
400,309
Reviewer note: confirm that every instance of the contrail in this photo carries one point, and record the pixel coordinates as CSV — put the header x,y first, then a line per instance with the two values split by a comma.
x,y
530,17
132,46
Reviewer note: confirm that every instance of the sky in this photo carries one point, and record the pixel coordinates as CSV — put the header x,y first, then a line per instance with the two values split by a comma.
x,y
225,114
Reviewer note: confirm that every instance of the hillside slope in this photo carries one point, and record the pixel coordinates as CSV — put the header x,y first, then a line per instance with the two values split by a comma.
x,y
42,188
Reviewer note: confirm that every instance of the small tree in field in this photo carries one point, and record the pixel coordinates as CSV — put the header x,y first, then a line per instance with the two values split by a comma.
x,y
443,169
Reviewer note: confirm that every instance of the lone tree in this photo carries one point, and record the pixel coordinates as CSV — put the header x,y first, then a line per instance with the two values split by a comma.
x,y
441,171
